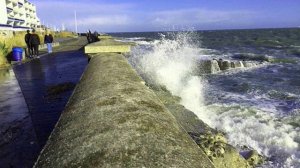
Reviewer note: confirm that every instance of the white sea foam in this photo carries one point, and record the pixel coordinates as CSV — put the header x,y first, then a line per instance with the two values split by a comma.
x,y
171,63
137,40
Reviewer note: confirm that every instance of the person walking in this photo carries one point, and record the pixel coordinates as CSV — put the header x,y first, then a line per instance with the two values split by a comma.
x,y
34,41
29,49
48,39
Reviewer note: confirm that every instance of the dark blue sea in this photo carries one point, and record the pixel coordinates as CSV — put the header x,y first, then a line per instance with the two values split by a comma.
x,y
256,106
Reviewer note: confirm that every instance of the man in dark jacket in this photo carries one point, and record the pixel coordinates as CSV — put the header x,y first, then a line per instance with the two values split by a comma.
x,y
29,49
34,41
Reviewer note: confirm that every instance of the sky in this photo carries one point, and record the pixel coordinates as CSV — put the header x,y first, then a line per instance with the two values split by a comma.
x,y
167,15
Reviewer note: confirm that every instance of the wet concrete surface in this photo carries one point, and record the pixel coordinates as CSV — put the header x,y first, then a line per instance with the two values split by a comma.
x,y
38,76
18,143
33,95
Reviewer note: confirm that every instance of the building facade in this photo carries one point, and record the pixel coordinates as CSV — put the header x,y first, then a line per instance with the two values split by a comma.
x,y
18,15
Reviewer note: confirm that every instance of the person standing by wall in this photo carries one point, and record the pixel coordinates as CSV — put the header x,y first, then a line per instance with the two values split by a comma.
x,y
34,41
89,36
29,49
48,39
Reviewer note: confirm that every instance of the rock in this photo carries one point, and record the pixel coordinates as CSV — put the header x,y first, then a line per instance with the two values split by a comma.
x,y
230,159
220,153
208,66
225,65
220,61
238,64
215,66
232,65
248,64
253,158
212,144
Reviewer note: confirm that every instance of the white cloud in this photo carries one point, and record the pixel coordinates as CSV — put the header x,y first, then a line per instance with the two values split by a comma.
x,y
89,14
111,20
200,17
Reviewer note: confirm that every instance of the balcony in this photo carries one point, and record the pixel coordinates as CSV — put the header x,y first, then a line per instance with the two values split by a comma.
x,y
8,9
20,4
13,19
5,25
9,22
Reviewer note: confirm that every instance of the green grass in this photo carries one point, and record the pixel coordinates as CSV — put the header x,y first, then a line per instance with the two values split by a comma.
x,y
64,34
3,53
17,40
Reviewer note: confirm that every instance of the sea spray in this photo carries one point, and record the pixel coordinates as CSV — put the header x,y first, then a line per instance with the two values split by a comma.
x,y
170,62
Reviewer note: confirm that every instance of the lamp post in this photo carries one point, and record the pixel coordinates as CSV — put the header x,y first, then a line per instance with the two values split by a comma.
x,y
75,22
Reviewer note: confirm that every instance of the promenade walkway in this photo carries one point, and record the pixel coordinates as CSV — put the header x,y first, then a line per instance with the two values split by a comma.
x,y
45,84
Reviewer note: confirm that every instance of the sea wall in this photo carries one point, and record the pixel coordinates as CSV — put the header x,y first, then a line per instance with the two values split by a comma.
x,y
114,120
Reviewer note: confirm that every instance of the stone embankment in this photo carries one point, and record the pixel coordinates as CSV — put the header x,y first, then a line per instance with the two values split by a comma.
x,y
114,120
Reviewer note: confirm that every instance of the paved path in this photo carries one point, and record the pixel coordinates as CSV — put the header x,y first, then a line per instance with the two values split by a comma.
x,y
46,84
18,143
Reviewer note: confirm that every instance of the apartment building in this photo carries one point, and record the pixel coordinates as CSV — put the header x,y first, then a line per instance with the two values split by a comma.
x,y
18,15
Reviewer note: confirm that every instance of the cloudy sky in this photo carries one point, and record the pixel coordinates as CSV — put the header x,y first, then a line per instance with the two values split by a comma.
x,y
164,15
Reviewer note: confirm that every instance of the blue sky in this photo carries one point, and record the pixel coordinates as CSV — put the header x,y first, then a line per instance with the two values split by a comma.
x,y
164,15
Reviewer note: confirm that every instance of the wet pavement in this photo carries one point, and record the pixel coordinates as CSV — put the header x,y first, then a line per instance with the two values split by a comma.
x,y
33,95
18,143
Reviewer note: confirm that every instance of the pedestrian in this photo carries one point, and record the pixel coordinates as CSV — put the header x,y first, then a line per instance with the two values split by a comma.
x,y
96,38
89,37
34,42
29,49
48,39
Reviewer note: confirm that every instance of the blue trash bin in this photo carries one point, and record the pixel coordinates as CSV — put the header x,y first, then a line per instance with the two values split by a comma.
x,y
17,54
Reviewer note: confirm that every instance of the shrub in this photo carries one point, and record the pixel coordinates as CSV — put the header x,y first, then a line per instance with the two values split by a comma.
x,y
3,53
8,42
64,34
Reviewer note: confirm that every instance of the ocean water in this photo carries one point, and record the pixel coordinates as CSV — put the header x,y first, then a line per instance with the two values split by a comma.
x,y
258,106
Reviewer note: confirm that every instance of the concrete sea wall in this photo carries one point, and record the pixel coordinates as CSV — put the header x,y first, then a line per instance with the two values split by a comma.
x,y
113,120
